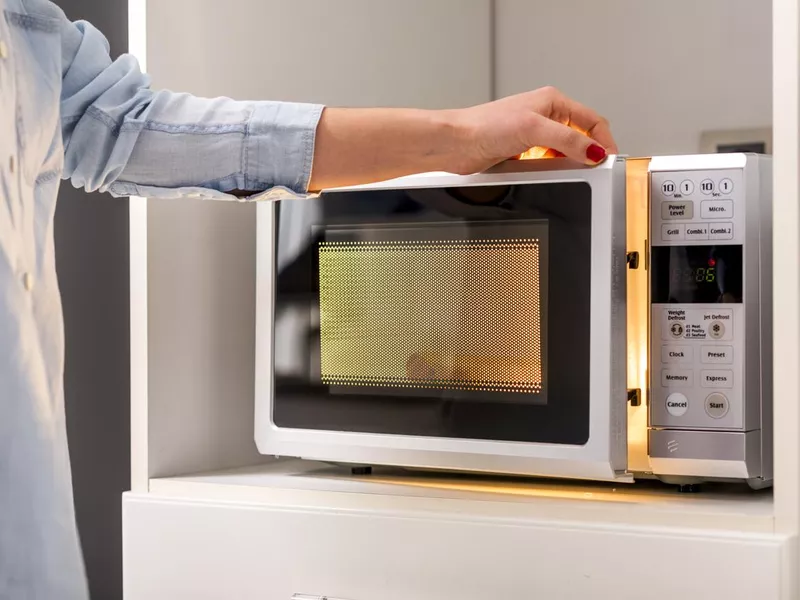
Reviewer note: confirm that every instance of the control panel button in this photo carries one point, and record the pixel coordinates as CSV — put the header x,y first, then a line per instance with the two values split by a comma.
x,y
716,379
716,355
696,232
671,211
716,330
677,404
726,186
676,354
670,233
716,406
720,231
670,378
668,188
716,209
676,330
707,186
687,187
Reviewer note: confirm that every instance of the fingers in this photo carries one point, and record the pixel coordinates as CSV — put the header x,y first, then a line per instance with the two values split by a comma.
x,y
570,142
569,112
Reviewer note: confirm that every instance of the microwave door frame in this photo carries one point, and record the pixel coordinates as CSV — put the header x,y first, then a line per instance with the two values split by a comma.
x,y
602,457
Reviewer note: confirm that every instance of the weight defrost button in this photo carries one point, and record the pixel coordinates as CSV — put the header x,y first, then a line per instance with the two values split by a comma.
x,y
716,406
676,329
677,404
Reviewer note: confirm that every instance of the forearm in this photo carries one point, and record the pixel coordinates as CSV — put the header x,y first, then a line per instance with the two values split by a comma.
x,y
356,146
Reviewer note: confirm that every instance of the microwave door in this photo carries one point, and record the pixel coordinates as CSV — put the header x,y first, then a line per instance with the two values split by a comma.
x,y
468,323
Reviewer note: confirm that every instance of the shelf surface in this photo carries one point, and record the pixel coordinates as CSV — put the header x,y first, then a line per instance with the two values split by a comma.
x,y
299,485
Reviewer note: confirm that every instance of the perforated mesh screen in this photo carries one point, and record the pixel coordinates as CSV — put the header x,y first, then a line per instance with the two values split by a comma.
x,y
460,315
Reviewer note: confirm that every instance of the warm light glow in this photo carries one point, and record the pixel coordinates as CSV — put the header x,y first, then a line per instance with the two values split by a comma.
x,y
538,152
637,180
461,314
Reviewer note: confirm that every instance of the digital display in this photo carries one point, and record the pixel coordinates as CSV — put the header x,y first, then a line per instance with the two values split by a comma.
x,y
696,274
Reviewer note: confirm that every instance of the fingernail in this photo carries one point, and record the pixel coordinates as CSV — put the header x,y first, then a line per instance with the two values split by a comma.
x,y
558,154
595,153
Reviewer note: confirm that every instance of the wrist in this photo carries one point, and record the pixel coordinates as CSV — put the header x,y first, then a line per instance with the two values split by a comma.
x,y
450,142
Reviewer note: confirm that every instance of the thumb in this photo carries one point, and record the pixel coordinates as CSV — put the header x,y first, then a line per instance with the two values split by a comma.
x,y
574,144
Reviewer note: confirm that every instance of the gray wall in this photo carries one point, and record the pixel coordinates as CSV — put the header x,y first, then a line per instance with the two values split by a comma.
x,y
92,258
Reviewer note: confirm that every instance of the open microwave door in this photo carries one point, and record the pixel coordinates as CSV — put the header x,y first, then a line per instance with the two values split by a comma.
x,y
462,323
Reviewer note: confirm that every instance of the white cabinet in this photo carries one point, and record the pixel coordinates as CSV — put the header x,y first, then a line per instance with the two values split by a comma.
x,y
210,550
210,518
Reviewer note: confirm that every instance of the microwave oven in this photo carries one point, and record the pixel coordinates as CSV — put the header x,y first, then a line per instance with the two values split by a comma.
x,y
539,319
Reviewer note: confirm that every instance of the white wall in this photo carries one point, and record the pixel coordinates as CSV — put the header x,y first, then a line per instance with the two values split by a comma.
x,y
661,71
201,254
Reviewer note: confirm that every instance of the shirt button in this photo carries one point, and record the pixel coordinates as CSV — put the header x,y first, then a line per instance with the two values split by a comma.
x,y
12,164
27,280
3,49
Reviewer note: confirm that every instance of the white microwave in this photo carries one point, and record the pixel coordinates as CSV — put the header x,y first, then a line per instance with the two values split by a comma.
x,y
540,319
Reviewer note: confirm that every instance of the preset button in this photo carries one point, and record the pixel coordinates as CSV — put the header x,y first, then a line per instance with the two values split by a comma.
x,y
717,354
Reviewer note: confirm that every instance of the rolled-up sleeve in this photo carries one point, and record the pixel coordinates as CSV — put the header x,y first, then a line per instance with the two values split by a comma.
x,y
124,138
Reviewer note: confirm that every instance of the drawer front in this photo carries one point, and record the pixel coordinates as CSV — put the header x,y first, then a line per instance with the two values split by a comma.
x,y
203,550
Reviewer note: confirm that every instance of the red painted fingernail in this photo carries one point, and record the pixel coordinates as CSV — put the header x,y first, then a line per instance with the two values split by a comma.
x,y
595,153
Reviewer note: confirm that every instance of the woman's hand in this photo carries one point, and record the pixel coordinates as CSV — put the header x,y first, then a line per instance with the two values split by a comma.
x,y
357,146
544,118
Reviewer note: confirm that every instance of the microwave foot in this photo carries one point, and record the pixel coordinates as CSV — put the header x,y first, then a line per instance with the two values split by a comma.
x,y
758,483
361,470
688,488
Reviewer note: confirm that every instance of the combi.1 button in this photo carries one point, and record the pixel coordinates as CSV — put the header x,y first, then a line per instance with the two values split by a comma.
x,y
716,406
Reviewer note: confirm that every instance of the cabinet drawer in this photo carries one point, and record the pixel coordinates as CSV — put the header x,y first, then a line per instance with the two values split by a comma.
x,y
202,550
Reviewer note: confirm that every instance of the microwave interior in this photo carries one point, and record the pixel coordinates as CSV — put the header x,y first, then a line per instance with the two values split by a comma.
x,y
442,312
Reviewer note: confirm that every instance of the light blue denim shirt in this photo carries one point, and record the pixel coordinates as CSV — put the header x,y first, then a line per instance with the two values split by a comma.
x,y
67,111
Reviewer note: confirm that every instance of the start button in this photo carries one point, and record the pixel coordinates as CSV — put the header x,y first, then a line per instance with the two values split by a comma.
x,y
677,404
716,406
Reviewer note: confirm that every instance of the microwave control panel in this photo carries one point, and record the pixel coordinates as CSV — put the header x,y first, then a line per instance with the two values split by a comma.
x,y
697,327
